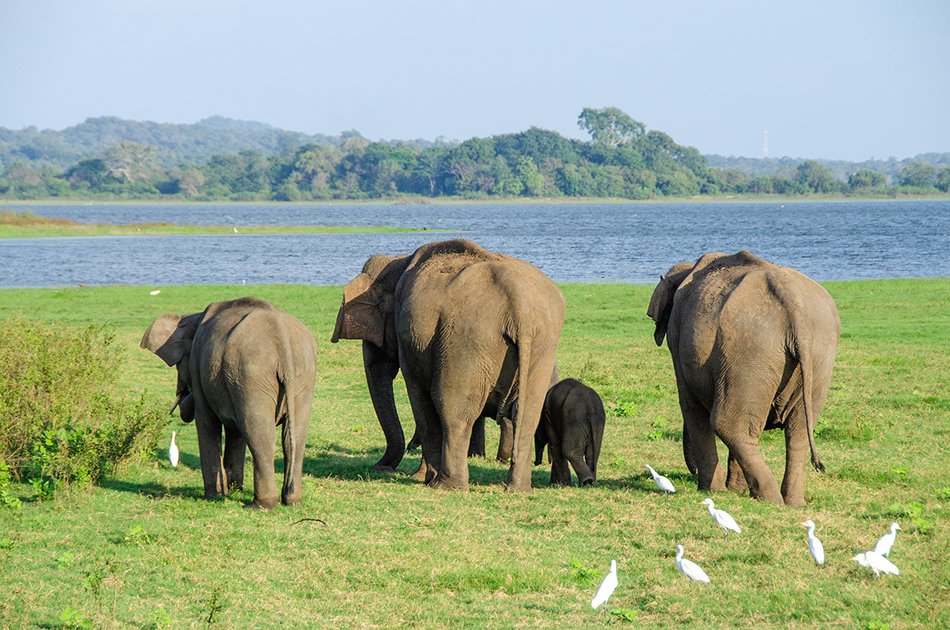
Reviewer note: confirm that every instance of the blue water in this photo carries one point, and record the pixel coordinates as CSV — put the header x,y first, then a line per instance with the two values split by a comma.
x,y
629,243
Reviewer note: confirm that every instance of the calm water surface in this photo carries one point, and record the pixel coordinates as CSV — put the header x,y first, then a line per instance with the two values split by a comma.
x,y
630,243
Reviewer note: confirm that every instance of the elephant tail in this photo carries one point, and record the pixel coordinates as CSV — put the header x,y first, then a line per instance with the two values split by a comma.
x,y
805,364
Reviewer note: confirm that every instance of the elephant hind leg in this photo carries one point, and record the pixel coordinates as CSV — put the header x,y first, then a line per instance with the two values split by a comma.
x,y
701,442
739,424
735,478
235,454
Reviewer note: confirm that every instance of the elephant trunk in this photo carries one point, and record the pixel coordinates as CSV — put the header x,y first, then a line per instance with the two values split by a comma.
x,y
380,373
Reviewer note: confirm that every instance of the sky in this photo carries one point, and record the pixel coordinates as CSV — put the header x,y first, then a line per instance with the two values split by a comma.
x,y
824,79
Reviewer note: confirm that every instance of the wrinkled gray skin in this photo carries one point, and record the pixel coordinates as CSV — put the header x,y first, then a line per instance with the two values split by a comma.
x,y
472,330
246,367
572,425
753,346
381,365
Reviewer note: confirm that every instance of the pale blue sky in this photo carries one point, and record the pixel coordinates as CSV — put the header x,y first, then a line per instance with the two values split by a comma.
x,y
849,79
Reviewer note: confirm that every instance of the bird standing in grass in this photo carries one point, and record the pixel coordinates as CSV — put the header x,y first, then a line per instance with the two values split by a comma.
x,y
814,545
607,586
722,518
689,568
661,482
173,452
877,563
886,541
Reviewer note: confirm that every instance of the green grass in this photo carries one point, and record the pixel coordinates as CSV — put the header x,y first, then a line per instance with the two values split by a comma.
x,y
145,550
28,225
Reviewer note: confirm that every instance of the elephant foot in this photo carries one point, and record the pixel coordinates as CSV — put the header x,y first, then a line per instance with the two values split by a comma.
x,y
442,483
381,467
262,504
512,487
795,501
589,481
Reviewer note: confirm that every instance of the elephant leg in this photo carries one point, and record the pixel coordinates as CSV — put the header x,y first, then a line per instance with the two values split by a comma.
x,y
560,470
688,456
735,478
796,452
292,490
428,428
208,428
739,423
702,442
476,447
380,371
530,403
235,454
453,474
506,439
585,476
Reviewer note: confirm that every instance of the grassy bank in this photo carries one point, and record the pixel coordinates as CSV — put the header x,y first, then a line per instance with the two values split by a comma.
x,y
145,550
29,225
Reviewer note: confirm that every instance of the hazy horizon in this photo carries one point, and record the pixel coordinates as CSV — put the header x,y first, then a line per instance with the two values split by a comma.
x,y
847,80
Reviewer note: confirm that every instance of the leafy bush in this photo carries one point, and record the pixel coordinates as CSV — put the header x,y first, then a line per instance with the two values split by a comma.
x,y
61,418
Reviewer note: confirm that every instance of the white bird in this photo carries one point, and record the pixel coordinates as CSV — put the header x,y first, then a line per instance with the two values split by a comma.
x,y
155,292
877,563
235,230
173,452
607,586
814,545
661,482
722,518
689,568
886,541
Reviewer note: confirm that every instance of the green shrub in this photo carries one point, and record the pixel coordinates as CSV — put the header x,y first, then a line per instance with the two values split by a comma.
x,y
62,419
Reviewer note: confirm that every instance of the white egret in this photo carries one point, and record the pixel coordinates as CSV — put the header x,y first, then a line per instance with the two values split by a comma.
x,y
886,541
814,545
155,292
607,586
173,452
661,482
722,518
877,563
689,568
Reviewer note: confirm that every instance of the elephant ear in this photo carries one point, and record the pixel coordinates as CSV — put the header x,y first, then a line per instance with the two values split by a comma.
x,y
661,305
363,312
170,336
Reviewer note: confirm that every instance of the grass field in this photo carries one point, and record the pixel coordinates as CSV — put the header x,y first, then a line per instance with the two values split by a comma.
x,y
29,225
145,550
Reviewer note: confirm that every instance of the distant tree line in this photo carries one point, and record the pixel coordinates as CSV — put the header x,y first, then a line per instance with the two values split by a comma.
x,y
622,159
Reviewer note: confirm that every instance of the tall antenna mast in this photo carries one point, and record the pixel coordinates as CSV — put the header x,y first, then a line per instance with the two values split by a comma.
x,y
765,143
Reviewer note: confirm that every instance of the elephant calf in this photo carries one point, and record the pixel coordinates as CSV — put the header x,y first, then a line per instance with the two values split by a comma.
x,y
572,424
246,367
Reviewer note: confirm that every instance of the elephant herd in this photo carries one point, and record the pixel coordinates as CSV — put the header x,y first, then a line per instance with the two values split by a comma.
x,y
475,334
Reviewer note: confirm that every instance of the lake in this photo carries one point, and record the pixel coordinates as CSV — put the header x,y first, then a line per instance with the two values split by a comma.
x,y
598,243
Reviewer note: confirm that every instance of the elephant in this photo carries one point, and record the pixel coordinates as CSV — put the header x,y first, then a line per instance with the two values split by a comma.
x,y
753,346
247,367
381,365
472,330
572,424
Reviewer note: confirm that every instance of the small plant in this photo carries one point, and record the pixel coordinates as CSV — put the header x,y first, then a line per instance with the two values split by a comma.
x,y
7,499
658,429
943,493
625,614
72,618
66,559
625,408
214,607
138,536
161,619
6,543
583,575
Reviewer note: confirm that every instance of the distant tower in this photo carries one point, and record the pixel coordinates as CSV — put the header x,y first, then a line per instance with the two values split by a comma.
x,y
765,143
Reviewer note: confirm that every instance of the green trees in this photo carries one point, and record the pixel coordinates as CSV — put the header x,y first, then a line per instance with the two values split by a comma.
x,y
865,179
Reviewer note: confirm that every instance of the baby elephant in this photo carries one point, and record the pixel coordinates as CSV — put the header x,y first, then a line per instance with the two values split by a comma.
x,y
572,424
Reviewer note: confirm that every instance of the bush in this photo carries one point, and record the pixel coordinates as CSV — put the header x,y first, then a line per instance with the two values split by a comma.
x,y
61,418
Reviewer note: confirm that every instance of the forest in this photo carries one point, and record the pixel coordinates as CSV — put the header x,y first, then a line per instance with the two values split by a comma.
x,y
222,159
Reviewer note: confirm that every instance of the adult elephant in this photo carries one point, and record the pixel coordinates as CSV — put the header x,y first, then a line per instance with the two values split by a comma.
x,y
246,367
472,331
753,346
381,365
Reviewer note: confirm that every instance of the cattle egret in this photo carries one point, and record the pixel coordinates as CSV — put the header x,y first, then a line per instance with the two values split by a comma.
x,y
814,545
173,452
877,563
607,586
886,541
661,482
155,292
722,517
235,230
688,568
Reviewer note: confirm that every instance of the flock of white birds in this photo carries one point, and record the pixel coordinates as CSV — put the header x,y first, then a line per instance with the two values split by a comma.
x,y
875,559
